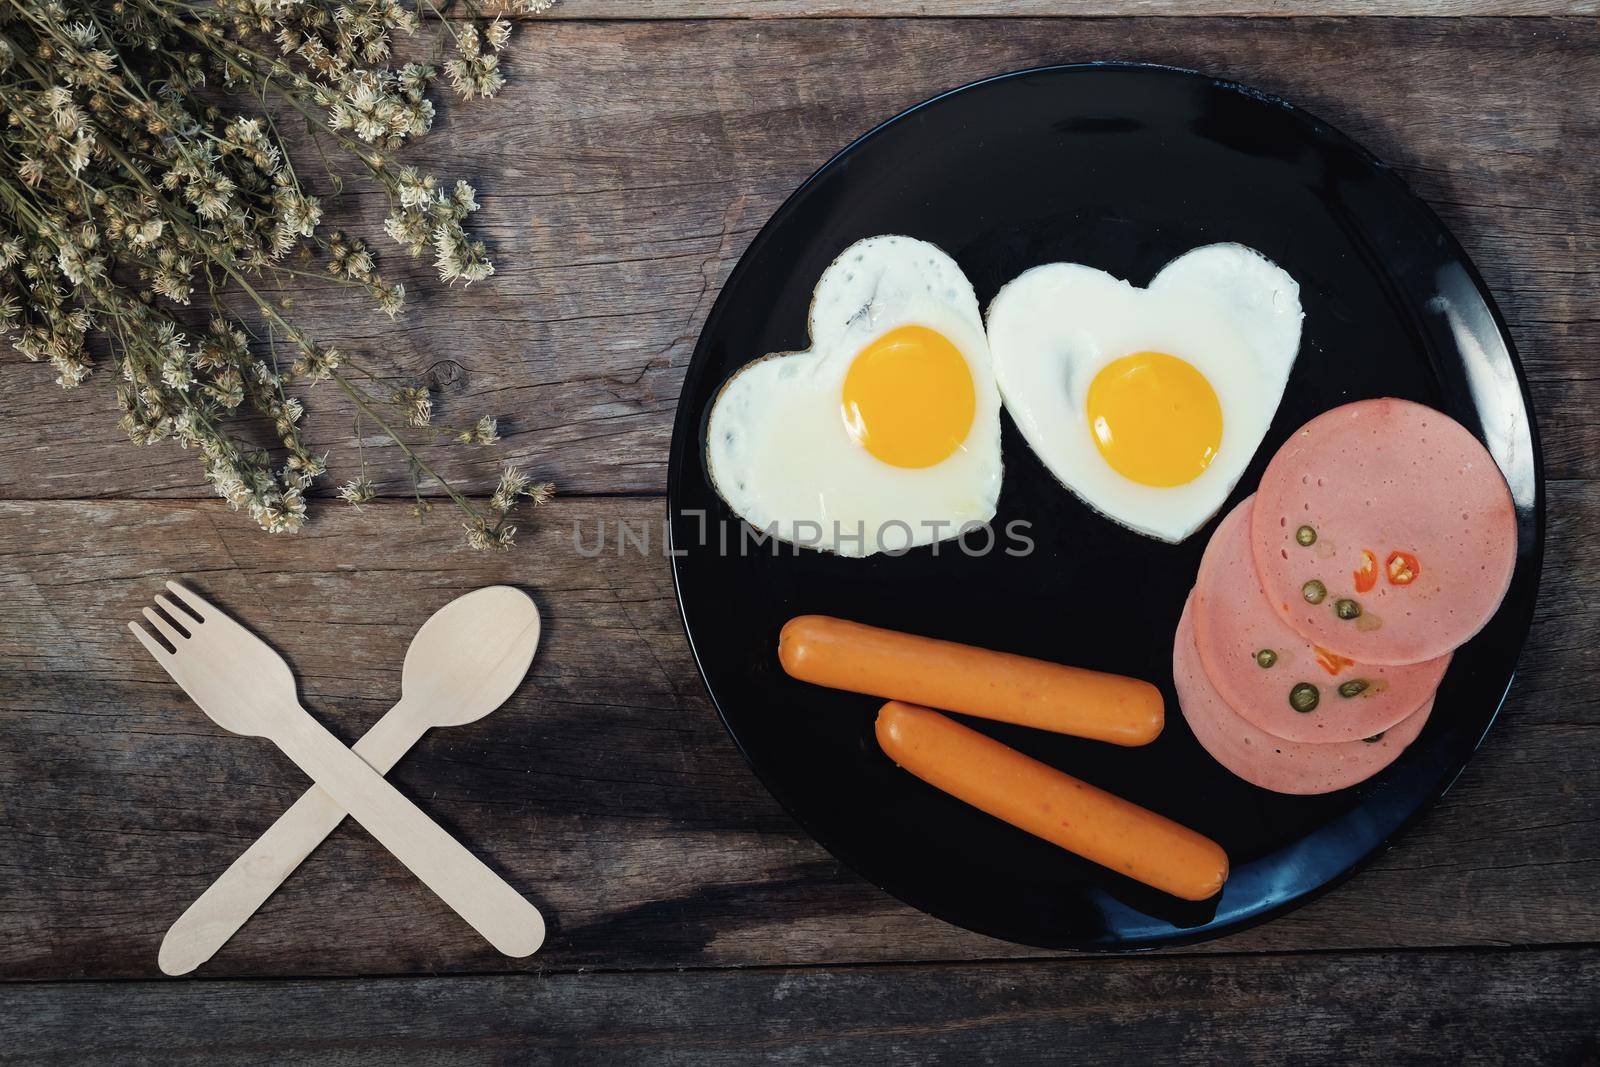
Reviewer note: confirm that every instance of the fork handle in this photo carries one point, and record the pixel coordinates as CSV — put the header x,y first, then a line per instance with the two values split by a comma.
x,y
508,921
249,882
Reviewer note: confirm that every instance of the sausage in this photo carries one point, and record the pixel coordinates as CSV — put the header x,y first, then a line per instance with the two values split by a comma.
x,y
1032,796
974,681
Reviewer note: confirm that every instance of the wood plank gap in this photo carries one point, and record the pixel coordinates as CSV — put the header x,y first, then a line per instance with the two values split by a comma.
x,y
1085,959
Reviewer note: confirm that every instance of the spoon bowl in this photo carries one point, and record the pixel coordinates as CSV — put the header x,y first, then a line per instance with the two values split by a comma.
x,y
470,656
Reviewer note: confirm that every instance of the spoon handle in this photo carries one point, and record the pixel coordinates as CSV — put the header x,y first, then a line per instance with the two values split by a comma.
x,y
227,904
505,918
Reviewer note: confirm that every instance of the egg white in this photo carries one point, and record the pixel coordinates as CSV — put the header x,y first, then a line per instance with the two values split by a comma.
x,y
1224,308
777,447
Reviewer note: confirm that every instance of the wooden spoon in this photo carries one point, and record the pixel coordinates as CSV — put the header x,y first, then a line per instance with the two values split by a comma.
x,y
467,660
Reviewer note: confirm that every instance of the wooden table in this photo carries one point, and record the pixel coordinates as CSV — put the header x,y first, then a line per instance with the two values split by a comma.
x,y
624,170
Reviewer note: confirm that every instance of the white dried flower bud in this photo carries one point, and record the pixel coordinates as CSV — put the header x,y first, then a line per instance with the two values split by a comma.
x,y
176,375
391,298
415,404
302,468
279,512
512,485
414,80
317,363
486,77
419,118
408,227
483,537
414,188
70,371
31,171
78,152
460,75
357,491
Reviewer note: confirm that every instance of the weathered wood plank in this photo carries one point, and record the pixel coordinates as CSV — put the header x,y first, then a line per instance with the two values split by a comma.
x,y
629,163
606,788
770,9
1415,1007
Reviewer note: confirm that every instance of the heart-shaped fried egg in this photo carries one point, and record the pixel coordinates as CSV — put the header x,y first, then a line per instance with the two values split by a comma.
x,y
1148,402
885,433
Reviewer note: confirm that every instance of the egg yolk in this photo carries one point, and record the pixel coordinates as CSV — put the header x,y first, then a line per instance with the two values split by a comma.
x,y
908,397
1155,418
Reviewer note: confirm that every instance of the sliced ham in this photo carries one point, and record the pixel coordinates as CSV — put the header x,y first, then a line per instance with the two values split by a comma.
x,y
1235,624
1399,494
1272,762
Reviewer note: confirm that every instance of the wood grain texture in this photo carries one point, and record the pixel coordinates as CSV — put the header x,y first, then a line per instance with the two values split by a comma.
x,y
1416,1007
606,788
772,9
628,164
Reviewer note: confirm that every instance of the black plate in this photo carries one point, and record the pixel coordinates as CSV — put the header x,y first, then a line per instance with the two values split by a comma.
x,y
1121,167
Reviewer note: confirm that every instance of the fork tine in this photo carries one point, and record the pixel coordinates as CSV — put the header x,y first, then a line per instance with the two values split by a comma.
x,y
151,645
192,600
163,627
174,612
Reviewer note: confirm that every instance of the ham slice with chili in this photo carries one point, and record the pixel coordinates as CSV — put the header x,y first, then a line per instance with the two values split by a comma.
x,y
1254,659
1384,532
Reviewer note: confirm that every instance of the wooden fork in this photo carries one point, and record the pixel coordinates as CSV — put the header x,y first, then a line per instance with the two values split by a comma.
x,y
247,688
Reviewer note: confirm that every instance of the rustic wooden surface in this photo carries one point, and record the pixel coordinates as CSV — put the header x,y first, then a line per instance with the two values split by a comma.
x,y
772,9
624,171
1445,1007
617,214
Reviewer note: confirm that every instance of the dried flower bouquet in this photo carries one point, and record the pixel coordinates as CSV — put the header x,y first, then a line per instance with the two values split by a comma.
x,y
142,168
